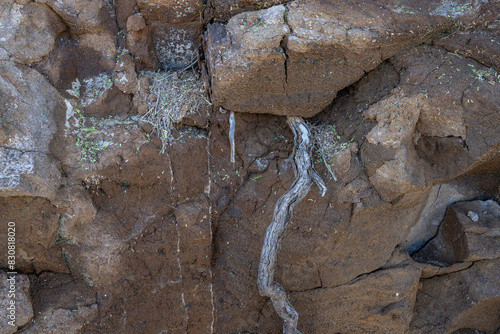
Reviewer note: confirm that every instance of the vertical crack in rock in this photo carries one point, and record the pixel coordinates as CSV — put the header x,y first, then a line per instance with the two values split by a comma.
x,y
283,45
179,263
208,191
283,211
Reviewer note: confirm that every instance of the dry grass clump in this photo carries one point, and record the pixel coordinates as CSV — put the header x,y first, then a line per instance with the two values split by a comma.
x,y
173,95
327,144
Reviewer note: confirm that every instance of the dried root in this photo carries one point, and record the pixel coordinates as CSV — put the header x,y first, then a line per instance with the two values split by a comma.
x,y
305,175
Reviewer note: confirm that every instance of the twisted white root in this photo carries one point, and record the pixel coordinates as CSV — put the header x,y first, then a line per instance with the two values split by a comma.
x,y
305,175
232,127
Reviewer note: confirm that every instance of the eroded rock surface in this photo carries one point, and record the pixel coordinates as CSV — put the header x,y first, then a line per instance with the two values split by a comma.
x,y
19,286
61,303
470,232
293,59
116,237
27,167
29,31
466,299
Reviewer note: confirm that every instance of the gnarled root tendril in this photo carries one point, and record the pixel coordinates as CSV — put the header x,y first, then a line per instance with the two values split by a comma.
x,y
305,175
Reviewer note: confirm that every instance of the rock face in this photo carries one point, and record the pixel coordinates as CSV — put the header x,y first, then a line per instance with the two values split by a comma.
x,y
469,299
62,304
469,232
175,28
28,101
350,308
23,312
33,19
293,59
117,238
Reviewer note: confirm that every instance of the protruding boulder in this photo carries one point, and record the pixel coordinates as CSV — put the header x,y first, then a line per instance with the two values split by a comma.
x,y
470,232
435,125
84,16
125,77
27,127
293,59
28,31
140,42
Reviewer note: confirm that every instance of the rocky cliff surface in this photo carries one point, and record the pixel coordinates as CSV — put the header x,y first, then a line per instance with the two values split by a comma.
x,y
122,229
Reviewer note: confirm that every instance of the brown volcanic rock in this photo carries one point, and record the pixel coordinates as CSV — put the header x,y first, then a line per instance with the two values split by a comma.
x,y
469,232
466,299
435,125
28,31
171,11
62,304
293,59
27,128
23,307
380,302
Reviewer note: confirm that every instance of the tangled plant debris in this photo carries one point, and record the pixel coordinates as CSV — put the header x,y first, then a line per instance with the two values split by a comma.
x,y
327,144
173,96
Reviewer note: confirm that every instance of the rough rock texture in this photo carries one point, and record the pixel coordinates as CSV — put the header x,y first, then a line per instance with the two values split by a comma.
x,y
140,42
171,11
23,307
93,29
351,308
35,20
293,59
174,29
469,232
176,45
431,112
466,299
61,303
117,238
36,219
27,100
223,10
125,77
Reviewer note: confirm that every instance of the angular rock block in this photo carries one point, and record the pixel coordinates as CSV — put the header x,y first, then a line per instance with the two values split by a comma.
x,y
437,124
470,232
125,77
380,302
85,16
140,43
468,299
28,31
293,59
26,128
27,174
